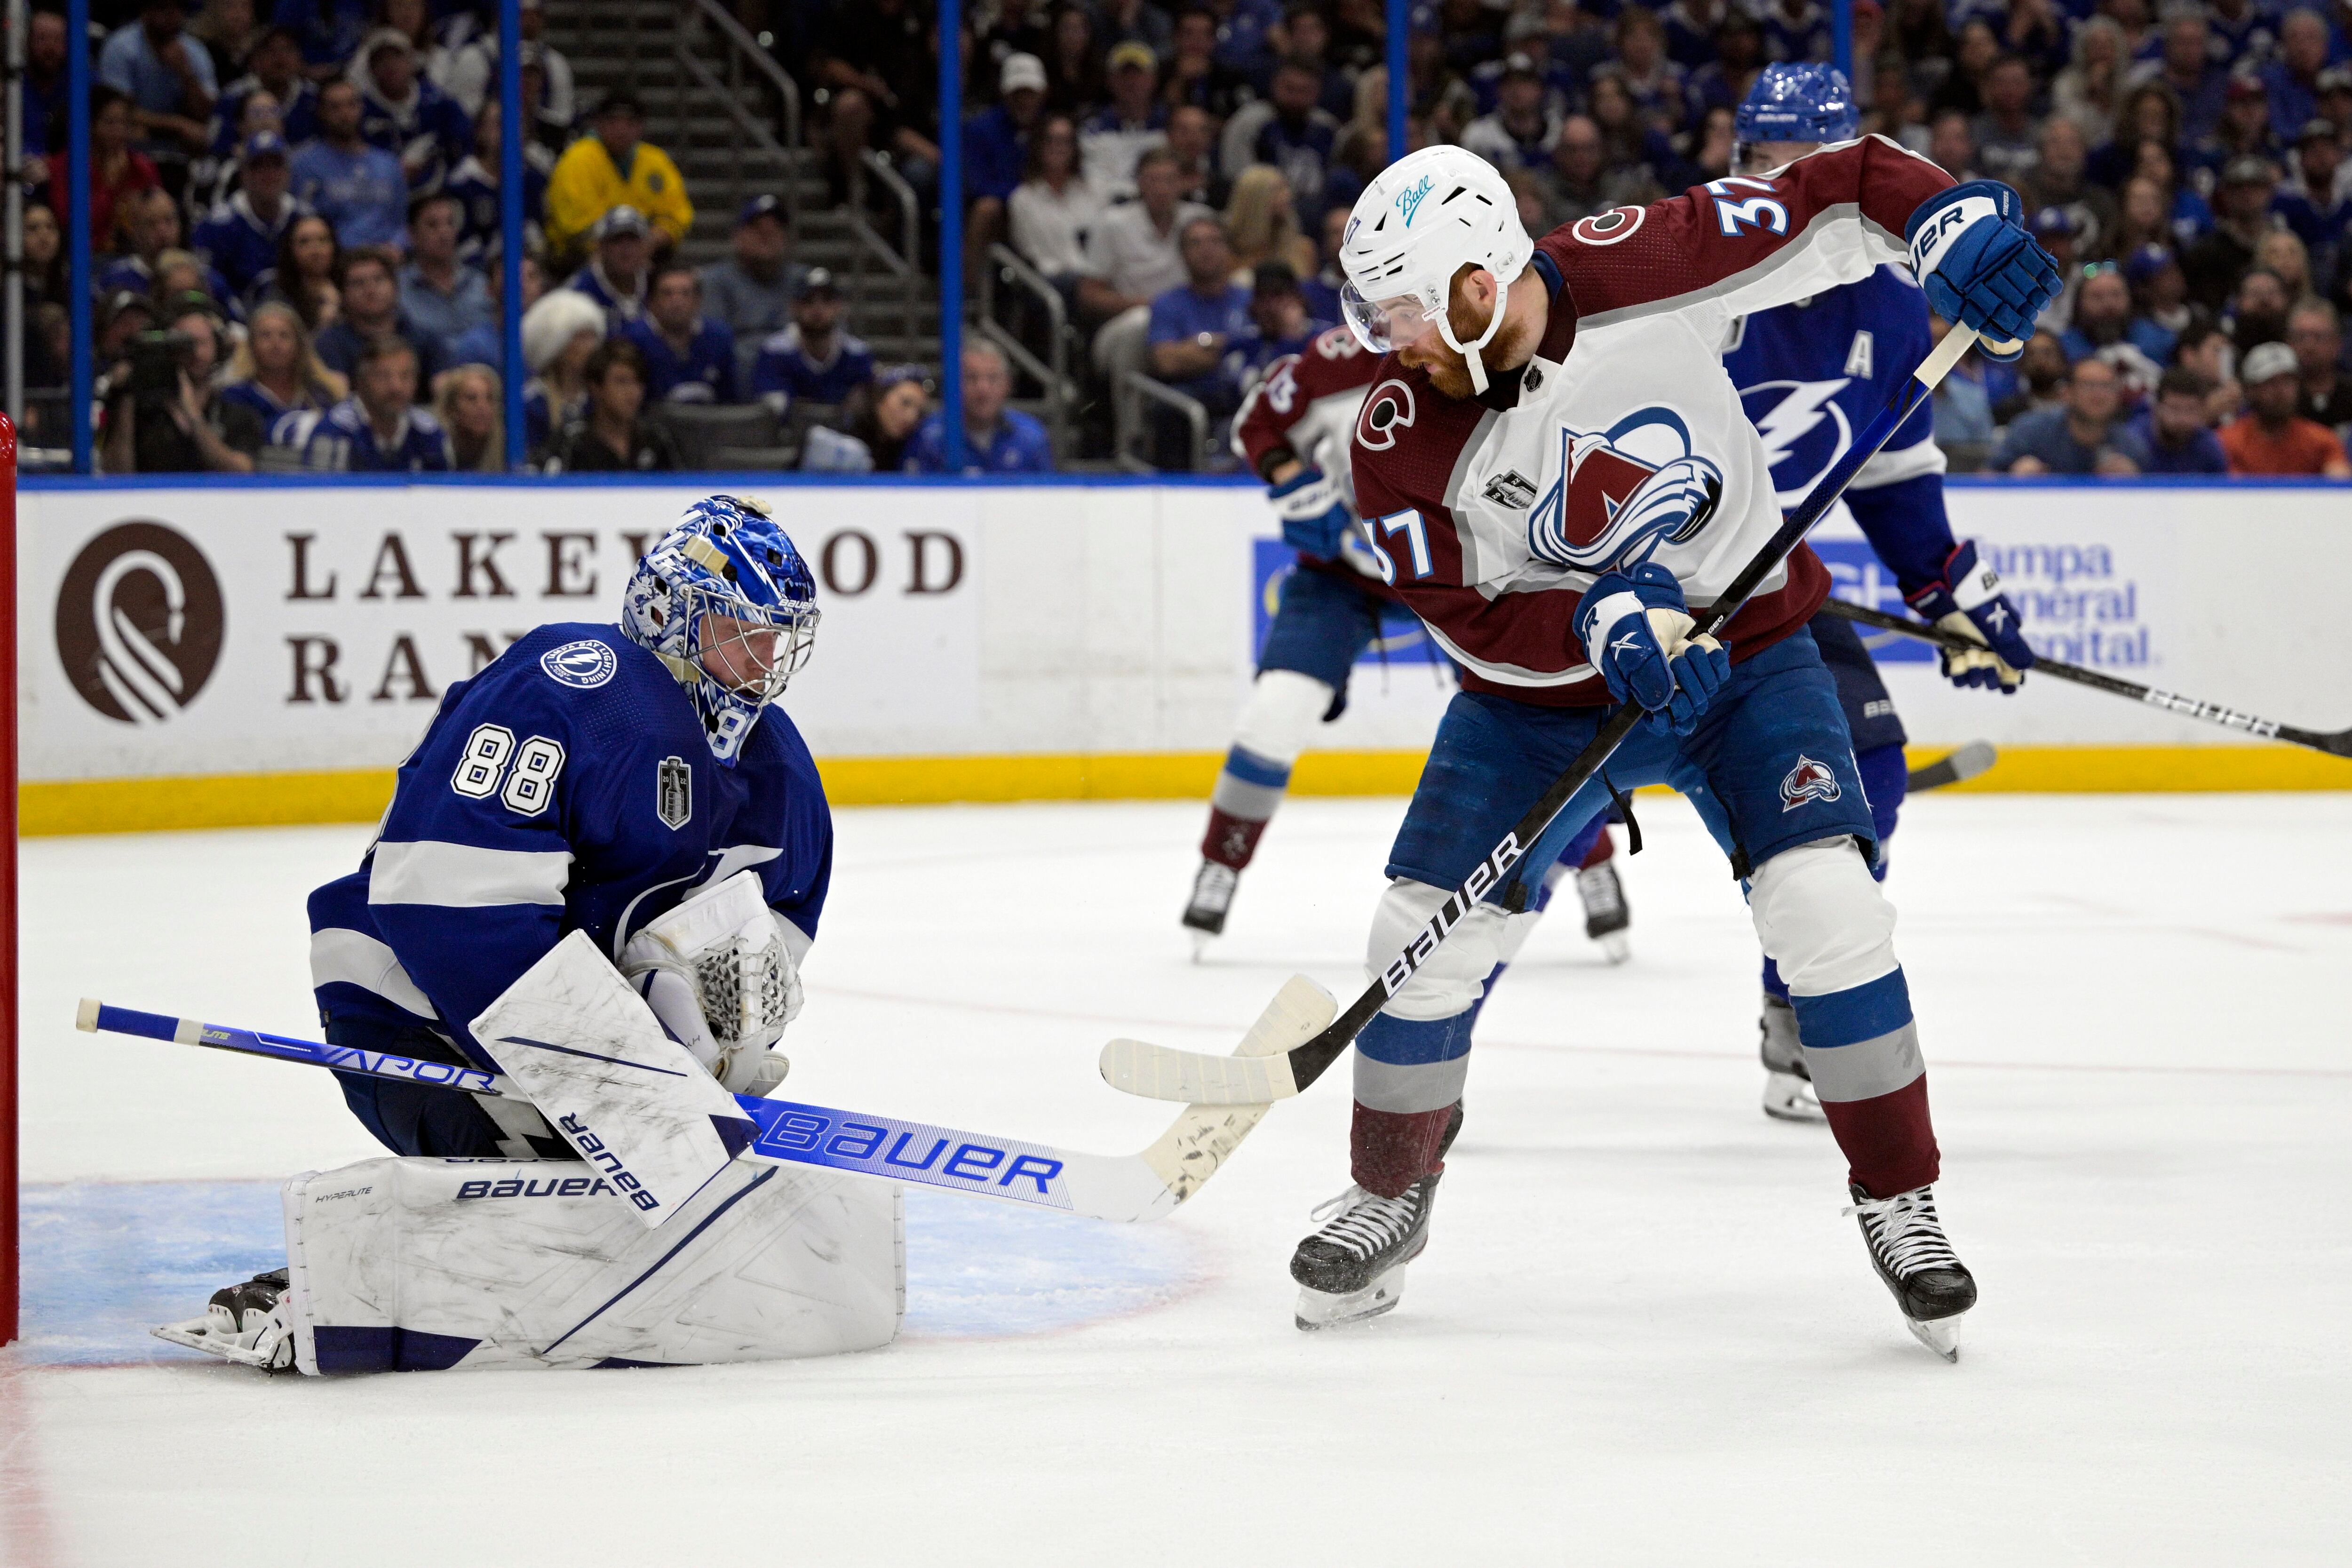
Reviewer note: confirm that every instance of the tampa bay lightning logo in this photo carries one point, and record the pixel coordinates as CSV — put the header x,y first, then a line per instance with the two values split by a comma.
x,y
1619,495
586,664
1804,429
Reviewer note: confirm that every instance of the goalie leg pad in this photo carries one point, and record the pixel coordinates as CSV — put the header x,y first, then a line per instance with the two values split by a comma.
x,y
424,1265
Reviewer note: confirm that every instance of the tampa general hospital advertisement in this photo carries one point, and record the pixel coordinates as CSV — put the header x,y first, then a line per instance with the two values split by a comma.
x,y
992,642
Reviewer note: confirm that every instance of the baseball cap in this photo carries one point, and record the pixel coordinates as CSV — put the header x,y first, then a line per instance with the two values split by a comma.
x,y
2335,79
384,38
2053,220
262,144
1021,72
2144,263
2248,171
2315,129
1521,65
2247,87
769,205
1274,278
2266,361
1133,52
820,281
622,219
119,303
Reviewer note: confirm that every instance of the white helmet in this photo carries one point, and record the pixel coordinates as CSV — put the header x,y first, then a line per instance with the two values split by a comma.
x,y
1422,220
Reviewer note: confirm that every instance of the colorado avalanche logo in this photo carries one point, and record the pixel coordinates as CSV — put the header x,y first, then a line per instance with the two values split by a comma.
x,y
1609,227
1621,494
1808,781
1804,430
1388,410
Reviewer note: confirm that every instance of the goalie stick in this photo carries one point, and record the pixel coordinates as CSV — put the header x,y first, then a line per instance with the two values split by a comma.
x,y
1158,1072
1141,1187
2337,743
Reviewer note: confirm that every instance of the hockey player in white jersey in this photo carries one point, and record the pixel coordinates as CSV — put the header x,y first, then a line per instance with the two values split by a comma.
x,y
601,870
1557,469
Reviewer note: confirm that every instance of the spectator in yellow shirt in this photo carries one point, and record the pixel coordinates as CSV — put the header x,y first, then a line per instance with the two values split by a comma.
x,y
611,166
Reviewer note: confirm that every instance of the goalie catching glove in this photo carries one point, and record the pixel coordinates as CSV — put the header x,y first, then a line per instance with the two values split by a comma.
x,y
1636,630
1967,602
722,973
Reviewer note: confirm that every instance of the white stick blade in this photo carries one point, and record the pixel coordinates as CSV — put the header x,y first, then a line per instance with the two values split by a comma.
x,y
1155,1072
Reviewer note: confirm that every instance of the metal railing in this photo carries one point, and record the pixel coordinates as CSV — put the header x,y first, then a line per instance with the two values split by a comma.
x,y
743,50
910,221
1052,373
747,48
1140,386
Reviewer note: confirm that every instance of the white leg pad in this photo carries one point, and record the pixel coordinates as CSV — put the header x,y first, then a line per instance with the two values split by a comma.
x,y
1821,918
423,1265
1283,710
1454,976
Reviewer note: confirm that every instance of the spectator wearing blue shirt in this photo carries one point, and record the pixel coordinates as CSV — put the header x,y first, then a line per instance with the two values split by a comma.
x,y
1192,328
614,276
406,114
2077,439
44,101
369,283
2171,435
358,188
2307,201
1245,44
812,361
330,31
442,297
1301,139
166,74
475,183
1112,142
239,237
2103,325
996,151
996,439
1279,326
2292,80
378,429
2187,66
1797,30
1520,134
274,67
688,357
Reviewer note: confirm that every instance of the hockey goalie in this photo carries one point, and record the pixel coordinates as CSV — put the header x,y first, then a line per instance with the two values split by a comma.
x,y
600,873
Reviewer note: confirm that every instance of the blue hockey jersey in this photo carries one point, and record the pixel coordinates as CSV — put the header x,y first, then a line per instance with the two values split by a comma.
x,y
1812,374
566,787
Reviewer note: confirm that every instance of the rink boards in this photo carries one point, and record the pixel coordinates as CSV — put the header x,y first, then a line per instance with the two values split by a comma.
x,y
197,655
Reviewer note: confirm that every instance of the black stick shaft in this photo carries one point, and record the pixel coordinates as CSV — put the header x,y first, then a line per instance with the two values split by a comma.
x,y
1308,1061
2338,744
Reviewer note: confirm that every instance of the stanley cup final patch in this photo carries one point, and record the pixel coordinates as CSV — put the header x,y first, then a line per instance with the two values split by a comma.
x,y
1808,781
674,793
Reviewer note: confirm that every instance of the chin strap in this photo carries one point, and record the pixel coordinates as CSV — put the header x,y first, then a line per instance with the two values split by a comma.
x,y
1470,351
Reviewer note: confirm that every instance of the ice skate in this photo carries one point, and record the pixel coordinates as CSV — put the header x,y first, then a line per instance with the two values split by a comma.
x,y
1353,1268
243,1323
1607,916
1212,895
1788,1084
1907,1247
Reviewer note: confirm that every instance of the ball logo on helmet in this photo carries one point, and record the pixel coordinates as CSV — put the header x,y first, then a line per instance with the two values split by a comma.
x,y
1388,410
1608,229
1409,200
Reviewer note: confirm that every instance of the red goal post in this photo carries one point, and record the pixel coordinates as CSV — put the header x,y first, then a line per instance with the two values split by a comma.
x,y
10,1274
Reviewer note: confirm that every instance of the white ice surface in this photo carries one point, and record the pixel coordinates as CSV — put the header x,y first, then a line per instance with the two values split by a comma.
x,y
1641,1332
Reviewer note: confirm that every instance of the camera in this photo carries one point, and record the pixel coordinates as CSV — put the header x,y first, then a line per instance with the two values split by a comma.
x,y
157,360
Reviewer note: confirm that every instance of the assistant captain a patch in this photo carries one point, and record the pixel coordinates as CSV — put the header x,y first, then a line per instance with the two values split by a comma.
x,y
674,793
1808,781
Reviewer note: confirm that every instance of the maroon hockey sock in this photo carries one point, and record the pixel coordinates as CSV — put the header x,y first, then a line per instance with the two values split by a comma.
x,y
1389,1150
1230,841
1888,1140
1602,848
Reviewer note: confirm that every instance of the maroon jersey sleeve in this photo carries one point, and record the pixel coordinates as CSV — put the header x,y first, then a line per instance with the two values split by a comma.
x,y
1333,364
1743,244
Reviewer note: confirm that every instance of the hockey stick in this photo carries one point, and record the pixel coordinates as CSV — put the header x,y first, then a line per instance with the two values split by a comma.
x,y
1962,765
2336,744
1141,1187
1158,1072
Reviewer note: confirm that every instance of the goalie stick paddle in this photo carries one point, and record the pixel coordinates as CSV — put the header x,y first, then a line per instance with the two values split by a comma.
x,y
2337,743
1158,1072
1141,1187
1976,757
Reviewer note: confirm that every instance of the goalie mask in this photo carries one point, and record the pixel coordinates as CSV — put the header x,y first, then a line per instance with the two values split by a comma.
x,y
727,604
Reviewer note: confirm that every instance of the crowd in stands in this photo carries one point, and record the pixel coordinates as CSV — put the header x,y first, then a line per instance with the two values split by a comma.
x,y
297,209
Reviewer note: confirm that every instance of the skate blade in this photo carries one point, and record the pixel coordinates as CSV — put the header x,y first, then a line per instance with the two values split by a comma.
x,y
1941,1335
1201,941
1788,1098
1615,947
1319,1310
197,1335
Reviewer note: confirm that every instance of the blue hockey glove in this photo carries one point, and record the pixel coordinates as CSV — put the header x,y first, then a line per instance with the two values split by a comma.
x,y
1636,631
1966,601
1315,515
1980,266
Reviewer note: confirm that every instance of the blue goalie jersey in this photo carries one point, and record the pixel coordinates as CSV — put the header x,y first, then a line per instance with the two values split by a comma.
x,y
1812,374
566,787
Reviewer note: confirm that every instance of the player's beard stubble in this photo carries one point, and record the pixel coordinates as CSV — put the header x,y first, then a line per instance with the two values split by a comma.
x,y
1449,372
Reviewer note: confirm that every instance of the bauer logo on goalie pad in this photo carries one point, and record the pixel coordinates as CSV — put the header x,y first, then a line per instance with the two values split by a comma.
x,y
592,1149
1808,781
674,793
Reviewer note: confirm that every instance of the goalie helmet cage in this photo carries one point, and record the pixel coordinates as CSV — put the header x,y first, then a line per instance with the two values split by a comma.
x,y
10,1276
